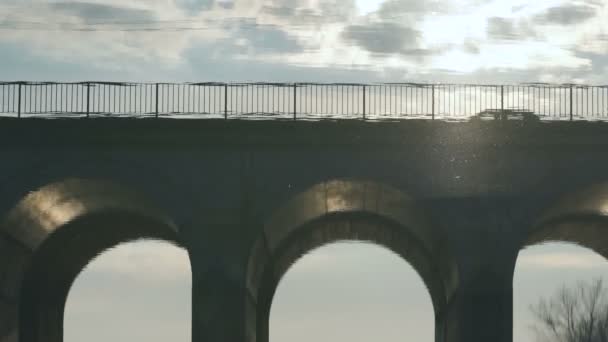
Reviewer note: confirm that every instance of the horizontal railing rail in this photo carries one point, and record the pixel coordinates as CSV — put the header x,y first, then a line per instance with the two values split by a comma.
x,y
268,100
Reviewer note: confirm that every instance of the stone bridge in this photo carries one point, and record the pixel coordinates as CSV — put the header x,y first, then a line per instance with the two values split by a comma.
x,y
246,199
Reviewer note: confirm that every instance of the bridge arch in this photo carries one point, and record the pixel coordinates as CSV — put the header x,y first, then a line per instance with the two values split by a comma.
x,y
559,247
347,210
580,217
56,231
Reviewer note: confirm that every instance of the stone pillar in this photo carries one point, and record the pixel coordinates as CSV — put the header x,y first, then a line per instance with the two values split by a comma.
x,y
8,322
14,258
485,237
481,311
223,310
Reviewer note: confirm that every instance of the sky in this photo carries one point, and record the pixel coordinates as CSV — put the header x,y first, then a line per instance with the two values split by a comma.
x,y
482,41
305,40
346,291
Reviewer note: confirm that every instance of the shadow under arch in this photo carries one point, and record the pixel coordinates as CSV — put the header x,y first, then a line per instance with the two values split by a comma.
x,y
347,210
580,218
60,228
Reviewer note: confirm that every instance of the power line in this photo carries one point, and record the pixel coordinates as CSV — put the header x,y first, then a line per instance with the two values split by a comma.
x,y
128,25
85,29
100,26
120,26
153,25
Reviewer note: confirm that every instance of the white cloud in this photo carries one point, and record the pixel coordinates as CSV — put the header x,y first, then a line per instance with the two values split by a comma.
x,y
454,38
368,6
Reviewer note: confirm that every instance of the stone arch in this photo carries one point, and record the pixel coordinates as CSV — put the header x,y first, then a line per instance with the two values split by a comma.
x,y
54,232
580,217
347,210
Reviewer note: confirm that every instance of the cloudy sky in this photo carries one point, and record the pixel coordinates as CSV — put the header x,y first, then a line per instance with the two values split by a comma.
x,y
488,41
305,40
348,291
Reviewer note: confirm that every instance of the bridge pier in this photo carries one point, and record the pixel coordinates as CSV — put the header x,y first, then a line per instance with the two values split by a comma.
x,y
222,306
482,306
482,311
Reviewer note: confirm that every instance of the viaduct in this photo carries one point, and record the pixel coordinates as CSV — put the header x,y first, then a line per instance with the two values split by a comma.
x,y
457,200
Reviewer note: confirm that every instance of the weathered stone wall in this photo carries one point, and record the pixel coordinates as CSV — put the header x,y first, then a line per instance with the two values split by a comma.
x,y
457,200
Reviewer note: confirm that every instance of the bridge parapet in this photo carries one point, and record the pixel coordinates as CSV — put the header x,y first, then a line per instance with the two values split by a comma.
x,y
301,101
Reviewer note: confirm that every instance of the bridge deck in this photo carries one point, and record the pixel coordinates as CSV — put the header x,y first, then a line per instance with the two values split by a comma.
x,y
234,132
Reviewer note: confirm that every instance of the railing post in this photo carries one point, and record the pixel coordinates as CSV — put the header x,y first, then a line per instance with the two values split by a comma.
x,y
364,91
226,101
295,99
571,103
156,108
88,85
433,102
502,100
19,100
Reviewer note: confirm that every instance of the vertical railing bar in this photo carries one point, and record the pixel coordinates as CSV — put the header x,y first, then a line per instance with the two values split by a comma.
x,y
551,101
347,98
401,100
295,99
592,100
571,103
115,93
28,103
199,104
502,100
156,99
105,99
311,89
122,94
188,99
19,101
171,98
34,106
181,98
448,100
225,100
132,101
364,88
433,102
37,102
8,103
88,85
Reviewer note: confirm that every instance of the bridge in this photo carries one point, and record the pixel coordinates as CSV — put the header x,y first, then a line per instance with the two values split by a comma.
x,y
246,198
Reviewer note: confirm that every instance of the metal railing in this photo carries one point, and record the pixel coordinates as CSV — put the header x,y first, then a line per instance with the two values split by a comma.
x,y
301,100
